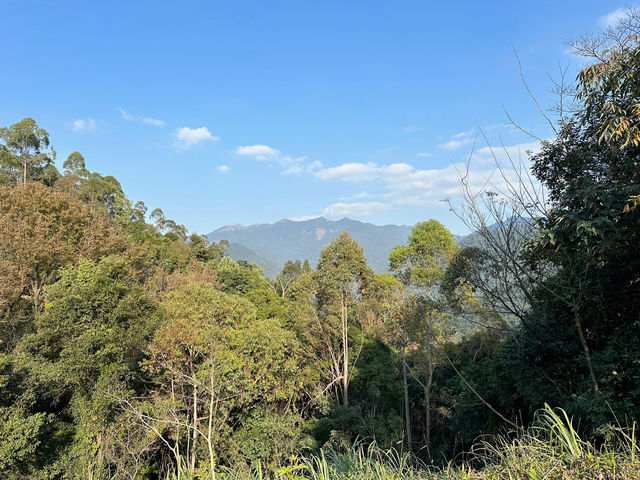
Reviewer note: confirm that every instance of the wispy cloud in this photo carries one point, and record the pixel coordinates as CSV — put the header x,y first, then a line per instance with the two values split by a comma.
x,y
458,140
348,172
453,144
412,129
187,137
259,152
84,125
224,168
141,119
612,18
425,154
291,165
401,184
460,135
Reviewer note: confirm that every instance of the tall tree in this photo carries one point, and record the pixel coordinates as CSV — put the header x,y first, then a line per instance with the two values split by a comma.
x,y
387,314
342,274
25,153
290,271
422,263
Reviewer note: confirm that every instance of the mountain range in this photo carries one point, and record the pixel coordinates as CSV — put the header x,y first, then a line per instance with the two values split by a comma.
x,y
270,245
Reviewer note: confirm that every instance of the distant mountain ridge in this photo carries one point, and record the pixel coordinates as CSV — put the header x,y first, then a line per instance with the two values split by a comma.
x,y
270,245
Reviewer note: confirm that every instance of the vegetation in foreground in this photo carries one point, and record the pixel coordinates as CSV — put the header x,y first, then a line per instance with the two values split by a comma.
x,y
551,449
130,349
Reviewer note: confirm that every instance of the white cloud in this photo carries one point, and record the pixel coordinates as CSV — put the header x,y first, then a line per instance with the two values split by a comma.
x,y
188,137
412,129
487,156
402,184
348,172
224,168
303,218
610,19
259,152
453,144
358,209
468,133
84,125
291,165
141,119
458,140
399,185
153,121
425,154
363,195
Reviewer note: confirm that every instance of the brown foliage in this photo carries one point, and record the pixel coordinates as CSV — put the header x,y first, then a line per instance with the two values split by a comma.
x,y
42,230
196,271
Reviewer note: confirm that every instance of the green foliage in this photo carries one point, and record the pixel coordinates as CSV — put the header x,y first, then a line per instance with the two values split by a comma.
x,y
86,344
421,261
271,438
20,440
25,154
239,277
342,267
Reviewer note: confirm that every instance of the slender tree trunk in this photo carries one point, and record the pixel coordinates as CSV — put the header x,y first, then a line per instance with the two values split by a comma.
x,y
585,348
407,416
427,388
345,353
194,435
212,463
36,294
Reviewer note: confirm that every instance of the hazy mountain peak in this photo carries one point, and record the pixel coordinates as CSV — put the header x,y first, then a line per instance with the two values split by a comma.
x,y
270,245
228,228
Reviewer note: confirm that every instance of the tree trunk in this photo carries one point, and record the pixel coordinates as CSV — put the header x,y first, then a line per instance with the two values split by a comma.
x,y
212,463
345,354
36,295
427,388
194,435
407,417
585,348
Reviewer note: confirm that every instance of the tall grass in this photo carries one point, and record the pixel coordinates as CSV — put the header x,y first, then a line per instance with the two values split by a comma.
x,y
551,449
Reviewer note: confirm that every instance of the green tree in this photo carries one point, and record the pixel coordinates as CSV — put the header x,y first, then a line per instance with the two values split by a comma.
x,y
290,271
25,153
84,349
342,275
422,263
211,360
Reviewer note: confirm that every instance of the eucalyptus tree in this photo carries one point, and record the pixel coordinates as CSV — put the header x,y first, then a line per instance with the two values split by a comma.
x,y
26,153
421,264
290,271
342,275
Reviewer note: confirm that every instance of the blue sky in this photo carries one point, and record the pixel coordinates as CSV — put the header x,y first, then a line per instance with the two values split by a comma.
x,y
249,112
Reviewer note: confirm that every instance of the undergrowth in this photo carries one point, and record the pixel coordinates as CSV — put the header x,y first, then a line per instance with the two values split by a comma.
x,y
551,449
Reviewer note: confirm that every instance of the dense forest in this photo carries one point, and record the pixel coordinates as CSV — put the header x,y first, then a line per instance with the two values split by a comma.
x,y
131,349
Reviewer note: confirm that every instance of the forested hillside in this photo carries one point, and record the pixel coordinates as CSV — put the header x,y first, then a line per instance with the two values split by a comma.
x,y
132,349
